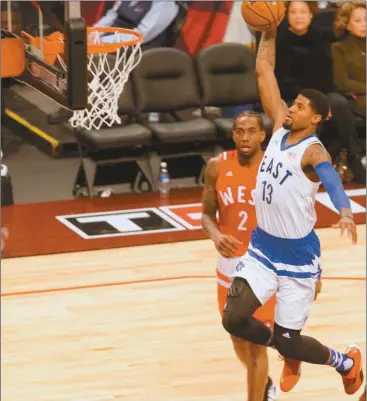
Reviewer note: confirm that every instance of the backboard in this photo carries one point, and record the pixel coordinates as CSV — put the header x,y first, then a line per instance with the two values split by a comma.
x,y
57,68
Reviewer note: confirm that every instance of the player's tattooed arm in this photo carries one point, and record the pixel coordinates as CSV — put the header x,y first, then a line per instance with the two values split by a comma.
x,y
315,155
266,52
312,157
209,200
267,83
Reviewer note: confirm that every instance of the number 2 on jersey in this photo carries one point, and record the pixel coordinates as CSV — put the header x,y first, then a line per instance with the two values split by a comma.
x,y
267,192
244,216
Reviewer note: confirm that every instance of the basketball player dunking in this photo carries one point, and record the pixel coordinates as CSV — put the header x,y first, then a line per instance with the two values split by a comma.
x,y
283,257
229,188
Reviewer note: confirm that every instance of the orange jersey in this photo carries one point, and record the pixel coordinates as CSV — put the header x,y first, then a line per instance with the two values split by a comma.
x,y
235,195
237,216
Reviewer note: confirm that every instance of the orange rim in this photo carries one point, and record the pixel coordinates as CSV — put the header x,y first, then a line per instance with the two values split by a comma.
x,y
113,47
54,43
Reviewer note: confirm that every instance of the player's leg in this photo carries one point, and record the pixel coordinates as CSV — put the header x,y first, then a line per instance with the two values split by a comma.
x,y
259,354
294,300
252,286
292,368
258,369
253,357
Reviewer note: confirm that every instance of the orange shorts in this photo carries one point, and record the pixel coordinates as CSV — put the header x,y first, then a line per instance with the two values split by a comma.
x,y
265,313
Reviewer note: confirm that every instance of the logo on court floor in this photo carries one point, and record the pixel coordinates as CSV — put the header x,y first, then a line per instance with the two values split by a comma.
x,y
188,215
184,217
120,222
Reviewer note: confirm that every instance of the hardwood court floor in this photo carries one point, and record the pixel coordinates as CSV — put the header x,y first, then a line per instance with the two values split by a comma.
x,y
141,324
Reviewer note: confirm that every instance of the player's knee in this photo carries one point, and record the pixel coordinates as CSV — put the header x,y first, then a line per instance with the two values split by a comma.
x,y
241,348
240,306
258,352
234,322
258,355
287,342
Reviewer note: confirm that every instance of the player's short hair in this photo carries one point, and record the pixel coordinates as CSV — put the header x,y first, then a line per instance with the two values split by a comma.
x,y
319,102
250,113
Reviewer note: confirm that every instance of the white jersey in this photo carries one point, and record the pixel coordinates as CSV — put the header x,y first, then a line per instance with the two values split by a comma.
x,y
285,197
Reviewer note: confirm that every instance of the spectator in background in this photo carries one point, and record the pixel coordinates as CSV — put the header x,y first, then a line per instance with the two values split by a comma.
x,y
205,25
304,61
349,55
150,18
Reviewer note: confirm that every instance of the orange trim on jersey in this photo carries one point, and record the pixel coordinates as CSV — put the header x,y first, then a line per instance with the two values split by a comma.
x,y
223,277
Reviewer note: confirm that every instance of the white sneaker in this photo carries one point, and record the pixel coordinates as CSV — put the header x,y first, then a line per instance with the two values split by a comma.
x,y
273,392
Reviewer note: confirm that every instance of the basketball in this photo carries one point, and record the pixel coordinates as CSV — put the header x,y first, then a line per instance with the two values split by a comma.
x,y
263,15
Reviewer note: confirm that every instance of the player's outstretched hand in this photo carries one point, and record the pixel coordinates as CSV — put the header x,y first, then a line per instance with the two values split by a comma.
x,y
227,245
347,225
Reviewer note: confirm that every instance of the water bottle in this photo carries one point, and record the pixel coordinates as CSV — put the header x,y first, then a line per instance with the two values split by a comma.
x,y
153,117
4,169
163,180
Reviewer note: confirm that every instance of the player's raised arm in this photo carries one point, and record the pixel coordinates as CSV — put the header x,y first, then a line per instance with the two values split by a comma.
x,y
318,158
267,83
226,244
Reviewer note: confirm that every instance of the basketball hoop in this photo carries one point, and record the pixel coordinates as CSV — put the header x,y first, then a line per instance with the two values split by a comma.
x,y
107,74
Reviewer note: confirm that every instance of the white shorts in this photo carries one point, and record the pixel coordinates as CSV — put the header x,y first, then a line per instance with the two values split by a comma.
x,y
267,269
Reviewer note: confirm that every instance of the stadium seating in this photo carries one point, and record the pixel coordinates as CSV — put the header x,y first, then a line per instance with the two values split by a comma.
x,y
168,81
118,144
227,78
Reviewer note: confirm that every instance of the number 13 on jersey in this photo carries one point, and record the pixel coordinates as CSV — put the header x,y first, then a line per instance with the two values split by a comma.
x,y
267,194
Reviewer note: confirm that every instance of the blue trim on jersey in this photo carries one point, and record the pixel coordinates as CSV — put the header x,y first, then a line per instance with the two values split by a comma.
x,y
295,252
285,137
281,273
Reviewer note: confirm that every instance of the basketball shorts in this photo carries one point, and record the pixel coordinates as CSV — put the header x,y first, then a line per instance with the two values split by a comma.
x,y
288,268
225,269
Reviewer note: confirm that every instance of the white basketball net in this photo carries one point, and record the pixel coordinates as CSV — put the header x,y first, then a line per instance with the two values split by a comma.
x,y
106,80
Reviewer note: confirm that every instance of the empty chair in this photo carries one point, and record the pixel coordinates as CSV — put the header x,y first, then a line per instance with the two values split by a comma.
x,y
166,82
227,78
129,141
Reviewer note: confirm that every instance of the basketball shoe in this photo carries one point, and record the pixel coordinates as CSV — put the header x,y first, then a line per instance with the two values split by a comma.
x,y
271,391
353,379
